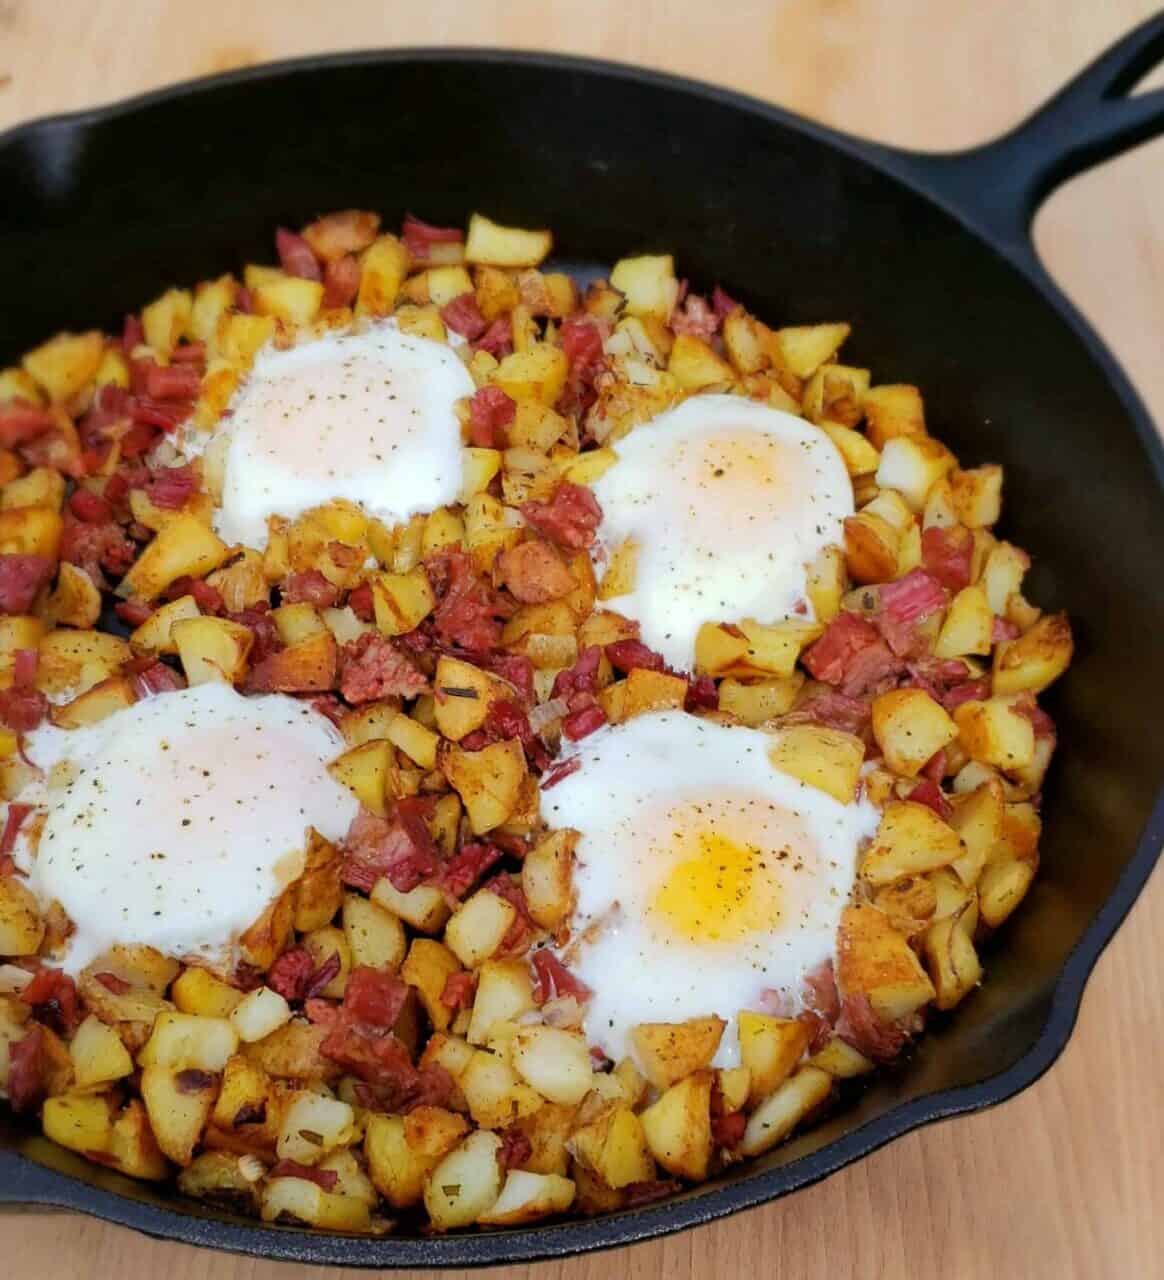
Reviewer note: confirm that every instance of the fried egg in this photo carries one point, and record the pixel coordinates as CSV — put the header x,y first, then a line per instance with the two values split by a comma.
x,y
176,822
364,416
726,501
704,877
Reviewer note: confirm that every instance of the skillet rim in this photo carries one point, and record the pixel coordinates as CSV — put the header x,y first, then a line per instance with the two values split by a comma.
x,y
921,173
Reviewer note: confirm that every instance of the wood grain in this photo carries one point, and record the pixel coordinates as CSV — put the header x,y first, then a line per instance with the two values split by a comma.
x,y
1064,1180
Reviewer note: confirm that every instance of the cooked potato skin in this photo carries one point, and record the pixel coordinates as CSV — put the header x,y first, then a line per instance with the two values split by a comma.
x,y
455,652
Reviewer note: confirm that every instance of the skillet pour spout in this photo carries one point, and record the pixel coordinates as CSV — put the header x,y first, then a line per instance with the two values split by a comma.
x,y
929,256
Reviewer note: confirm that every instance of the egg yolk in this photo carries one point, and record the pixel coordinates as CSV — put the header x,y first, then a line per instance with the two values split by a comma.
x,y
722,885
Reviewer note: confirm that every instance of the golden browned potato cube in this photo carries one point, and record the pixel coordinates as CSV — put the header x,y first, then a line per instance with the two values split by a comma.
x,y
92,706
678,1127
995,732
875,960
538,373
1036,659
910,728
66,364
1001,887
860,458
167,319
554,1061
77,660
132,1148
402,600
547,878
30,531
783,1110
614,1147
375,936
81,1122
364,770
403,1150
827,759
528,1196
504,993
197,990
385,265
756,701
21,925
212,649
495,1095
770,1048
668,1051
308,1203
424,907
977,817
183,546
696,367
156,632
893,410
223,1178
428,967
478,927
968,625
488,781
648,284
912,465
306,667
464,693
911,839
872,546
178,1103
802,349
952,961
465,1185
977,496
182,1040
98,1054
490,244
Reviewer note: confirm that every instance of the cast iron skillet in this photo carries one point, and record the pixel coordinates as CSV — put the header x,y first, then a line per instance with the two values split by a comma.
x,y
927,255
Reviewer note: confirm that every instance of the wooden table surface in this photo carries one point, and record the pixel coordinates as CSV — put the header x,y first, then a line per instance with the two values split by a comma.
x,y
1065,1180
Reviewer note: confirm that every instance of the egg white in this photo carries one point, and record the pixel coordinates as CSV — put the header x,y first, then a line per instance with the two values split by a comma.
x,y
658,933
176,822
367,416
727,500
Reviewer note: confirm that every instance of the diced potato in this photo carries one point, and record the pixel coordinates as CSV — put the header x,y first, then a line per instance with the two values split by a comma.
x,y
79,1121
402,600
547,878
424,907
893,410
290,299
292,1053
322,945
488,781
490,244
495,1095
527,1196
364,771
77,660
995,733
21,925
648,283
911,465
167,320
306,667
260,1013
370,722
802,349
312,1126
615,1148
1036,659
464,694
418,743
132,1148
757,701
538,373
911,839
827,759
872,546
30,531
307,1202
678,1127
198,991
245,1091
478,467
466,1184
178,1103
66,364
952,961
968,625
504,993
98,1054
375,936
782,1111
910,728
156,632
648,691
860,458
668,1051
978,819
770,1048
695,365
428,967
477,929
183,546
1002,886
385,264
212,649
222,1178
186,1040
841,1060
874,959
555,1062
402,1150
977,496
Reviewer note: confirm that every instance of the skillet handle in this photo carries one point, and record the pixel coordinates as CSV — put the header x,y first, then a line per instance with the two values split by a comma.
x,y
998,187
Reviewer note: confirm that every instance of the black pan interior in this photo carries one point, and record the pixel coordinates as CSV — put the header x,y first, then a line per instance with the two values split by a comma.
x,y
102,214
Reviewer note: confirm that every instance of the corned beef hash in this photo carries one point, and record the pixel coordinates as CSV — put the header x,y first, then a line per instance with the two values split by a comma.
x,y
482,746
